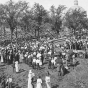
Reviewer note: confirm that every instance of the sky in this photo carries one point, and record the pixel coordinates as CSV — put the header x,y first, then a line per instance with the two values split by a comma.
x,y
56,3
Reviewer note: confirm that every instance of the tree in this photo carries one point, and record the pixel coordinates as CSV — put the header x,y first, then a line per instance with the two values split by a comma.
x,y
56,17
11,13
76,21
40,16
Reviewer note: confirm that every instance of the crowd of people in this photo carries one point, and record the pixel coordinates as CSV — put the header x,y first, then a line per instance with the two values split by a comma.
x,y
35,54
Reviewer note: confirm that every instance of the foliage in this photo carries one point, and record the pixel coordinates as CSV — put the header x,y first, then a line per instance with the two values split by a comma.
x,y
76,21
40,16
11,13
56,17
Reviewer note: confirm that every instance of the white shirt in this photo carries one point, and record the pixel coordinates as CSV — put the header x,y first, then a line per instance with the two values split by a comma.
x,y
37,61
39,81
34,60
42,47
47,79
38,55
49,52
29,56
52,60
40,63
9,80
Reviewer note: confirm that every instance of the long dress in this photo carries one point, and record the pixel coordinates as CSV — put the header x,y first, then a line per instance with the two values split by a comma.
x,y
48,84
16,66
39,82
29,80
2,58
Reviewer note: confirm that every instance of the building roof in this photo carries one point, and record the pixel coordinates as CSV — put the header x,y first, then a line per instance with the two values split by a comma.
x,y
75,7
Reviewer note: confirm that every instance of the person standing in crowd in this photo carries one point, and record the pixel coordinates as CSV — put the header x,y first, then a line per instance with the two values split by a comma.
x,y
17,66
11,57
2,60
40,63
30,60
30,75
6,51
7,56
42,58
58,69
20,56
37,64
25,57
47,80
49,63
34,62
39,82
9,82
53,63
74,61
13,66
38,54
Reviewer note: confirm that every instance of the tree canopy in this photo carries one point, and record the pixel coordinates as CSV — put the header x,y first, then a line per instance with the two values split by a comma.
x,y
11,13
37,21
76,21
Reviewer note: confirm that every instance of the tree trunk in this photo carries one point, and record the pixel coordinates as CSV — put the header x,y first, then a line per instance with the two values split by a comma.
x,y
11,35
74,32
38,32
35,33
1,32
16,34
4,31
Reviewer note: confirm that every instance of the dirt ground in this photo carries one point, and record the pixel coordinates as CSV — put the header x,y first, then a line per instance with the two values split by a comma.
x,y
76,78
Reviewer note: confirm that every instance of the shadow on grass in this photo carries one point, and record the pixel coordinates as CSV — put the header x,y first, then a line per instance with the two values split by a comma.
x,y
55,86
1,65
15,86
66,72
21,70
77,63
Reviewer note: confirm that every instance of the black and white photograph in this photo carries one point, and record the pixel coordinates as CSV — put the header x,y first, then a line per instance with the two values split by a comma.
x,y
43,43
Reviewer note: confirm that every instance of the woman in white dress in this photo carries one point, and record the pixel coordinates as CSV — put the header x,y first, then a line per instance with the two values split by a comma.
x,y
47,80
39,83
16,66
30,75
2,58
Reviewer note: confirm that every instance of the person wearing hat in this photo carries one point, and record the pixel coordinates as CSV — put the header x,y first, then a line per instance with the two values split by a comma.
x,y
30,76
